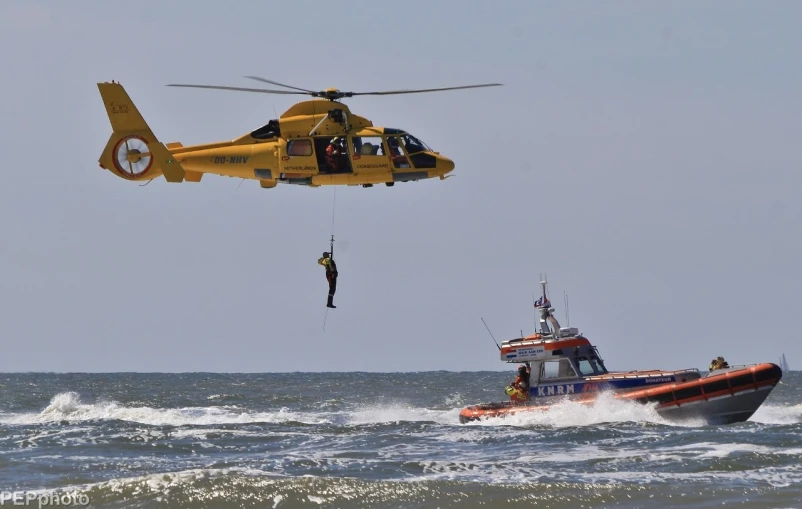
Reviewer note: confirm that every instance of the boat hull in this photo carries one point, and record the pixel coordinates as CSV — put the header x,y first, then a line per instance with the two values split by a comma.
x,y
725,397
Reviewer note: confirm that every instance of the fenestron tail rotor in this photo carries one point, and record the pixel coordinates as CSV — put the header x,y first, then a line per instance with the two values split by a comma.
x,y
132,157
331,94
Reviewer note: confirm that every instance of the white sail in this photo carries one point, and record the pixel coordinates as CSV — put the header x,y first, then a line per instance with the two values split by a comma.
x,y
783,364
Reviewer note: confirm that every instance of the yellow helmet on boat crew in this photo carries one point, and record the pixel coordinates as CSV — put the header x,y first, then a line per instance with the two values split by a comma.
x,y
509,390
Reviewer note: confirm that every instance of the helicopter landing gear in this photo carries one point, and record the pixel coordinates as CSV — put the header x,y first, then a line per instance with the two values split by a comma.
x,y
389,184
367,185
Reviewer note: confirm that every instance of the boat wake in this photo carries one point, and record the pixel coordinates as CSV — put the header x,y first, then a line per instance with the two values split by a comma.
x,y
67,407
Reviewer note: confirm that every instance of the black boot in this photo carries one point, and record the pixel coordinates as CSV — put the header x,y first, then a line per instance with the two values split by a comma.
x,y
329,304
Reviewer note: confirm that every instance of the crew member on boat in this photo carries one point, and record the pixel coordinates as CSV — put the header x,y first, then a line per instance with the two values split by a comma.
x,y
518,390
718,363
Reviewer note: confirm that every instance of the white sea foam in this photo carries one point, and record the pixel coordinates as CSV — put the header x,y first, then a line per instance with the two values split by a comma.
x,y
777,414
398,412
69,407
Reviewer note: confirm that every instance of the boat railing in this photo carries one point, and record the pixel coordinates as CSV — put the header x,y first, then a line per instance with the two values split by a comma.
x,y
544,338
636,374
735,366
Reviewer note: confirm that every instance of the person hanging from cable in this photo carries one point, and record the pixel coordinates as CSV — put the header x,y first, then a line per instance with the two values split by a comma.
x,y
327,260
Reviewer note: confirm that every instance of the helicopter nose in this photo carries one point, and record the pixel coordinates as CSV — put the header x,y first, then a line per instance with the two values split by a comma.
x,y
444,164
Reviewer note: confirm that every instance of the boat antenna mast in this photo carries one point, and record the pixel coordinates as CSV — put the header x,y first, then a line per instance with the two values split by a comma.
x,y
491,334
546,311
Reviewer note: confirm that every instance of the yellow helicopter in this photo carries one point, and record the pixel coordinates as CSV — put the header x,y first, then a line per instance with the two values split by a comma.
x,y
317,142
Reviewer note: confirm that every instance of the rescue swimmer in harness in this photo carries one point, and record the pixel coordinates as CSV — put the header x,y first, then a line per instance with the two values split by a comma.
x,y
518,390
327,261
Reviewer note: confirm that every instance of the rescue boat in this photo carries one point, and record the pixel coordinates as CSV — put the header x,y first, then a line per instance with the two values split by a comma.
x,y
565,365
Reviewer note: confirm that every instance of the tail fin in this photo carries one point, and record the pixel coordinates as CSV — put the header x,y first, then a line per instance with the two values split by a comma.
x,y
133,152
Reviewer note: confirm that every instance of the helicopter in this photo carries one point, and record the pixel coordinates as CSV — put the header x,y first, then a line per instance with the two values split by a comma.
x,y
316,142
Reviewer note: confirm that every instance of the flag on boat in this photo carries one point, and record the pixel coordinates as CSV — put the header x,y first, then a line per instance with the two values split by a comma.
x,y
539,303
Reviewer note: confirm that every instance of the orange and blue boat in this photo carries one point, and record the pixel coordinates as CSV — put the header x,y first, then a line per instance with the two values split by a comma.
x,y
564,365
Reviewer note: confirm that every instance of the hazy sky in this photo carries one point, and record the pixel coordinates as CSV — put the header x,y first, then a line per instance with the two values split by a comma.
x,y
645,155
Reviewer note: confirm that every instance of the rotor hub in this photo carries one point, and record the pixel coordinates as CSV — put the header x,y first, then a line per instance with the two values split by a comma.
x,y
332,94
132,159
134,156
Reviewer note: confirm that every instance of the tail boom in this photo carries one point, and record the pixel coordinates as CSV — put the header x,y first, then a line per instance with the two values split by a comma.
x,y
133,152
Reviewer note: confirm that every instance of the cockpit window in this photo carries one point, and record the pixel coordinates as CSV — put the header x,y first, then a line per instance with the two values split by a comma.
x,y
368,145
396,152
414,145
299,148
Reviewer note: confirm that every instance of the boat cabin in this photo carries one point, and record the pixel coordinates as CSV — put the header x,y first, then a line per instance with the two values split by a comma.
x,y
555,359
562,361
555,354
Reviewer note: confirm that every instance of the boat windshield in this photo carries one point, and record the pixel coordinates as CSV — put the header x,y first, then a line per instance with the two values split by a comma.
x,y
585,366
590,364
598,360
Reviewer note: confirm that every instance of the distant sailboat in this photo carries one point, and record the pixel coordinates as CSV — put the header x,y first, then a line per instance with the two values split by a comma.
x,y
783,364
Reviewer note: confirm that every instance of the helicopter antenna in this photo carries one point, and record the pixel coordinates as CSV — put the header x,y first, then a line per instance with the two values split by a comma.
x,y
491,334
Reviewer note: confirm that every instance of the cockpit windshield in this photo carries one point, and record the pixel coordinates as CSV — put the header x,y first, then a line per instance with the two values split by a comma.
x,y
413,144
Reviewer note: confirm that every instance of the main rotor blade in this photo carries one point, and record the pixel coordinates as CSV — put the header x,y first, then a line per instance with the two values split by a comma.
x,y
239,89
277,83
426,90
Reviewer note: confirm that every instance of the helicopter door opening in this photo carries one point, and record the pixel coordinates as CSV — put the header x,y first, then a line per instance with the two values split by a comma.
x,y
396,152
369,155
332,155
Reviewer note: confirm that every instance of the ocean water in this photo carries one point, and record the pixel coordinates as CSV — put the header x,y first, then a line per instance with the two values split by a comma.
x,y
367,440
